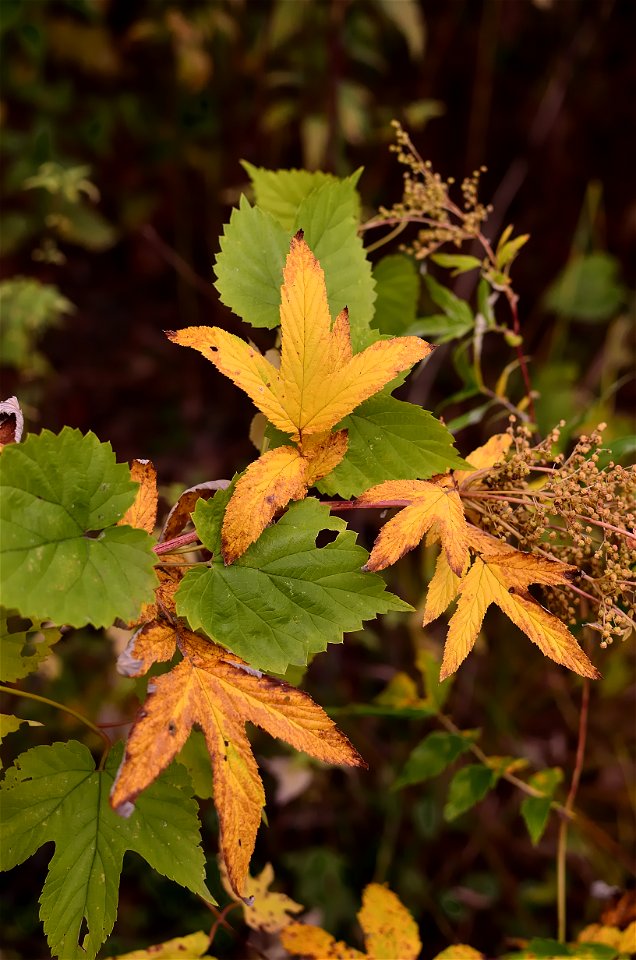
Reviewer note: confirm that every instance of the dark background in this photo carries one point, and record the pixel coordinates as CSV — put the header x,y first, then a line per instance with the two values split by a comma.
x,y
161,100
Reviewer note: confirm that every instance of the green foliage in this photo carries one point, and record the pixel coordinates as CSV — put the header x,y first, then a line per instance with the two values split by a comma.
x,y
280,192
397,288
55,793
588,289
62,555
25,644
468,787
389,439
28,308
433,755
285,599
536,810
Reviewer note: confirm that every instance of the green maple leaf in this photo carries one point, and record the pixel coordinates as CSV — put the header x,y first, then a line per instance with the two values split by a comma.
x,y
55,793
285,598
63,557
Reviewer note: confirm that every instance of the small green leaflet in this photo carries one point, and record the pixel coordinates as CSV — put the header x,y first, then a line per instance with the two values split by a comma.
x,y
433,755
390,439
468,787
24,644
536,810
285,599
62,556
397,287
55,793
249,268
9,724
280,192
455,321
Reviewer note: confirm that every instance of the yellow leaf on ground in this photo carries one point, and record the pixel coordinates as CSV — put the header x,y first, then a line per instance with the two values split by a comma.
x,y
269,484
263,909
503,579
218,692
390,932
190,947
428,505
304,940
389,929
143,512
318,382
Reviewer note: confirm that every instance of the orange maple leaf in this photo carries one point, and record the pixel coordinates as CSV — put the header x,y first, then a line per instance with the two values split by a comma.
x,y
427,505
502,575
389,932
143,512
218,692
318,383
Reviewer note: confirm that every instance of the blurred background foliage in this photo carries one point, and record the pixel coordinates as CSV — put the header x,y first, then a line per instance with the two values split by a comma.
x,y
122,126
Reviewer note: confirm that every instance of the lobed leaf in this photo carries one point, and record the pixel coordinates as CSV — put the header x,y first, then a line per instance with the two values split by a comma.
x,y
56,794
62,555
285,599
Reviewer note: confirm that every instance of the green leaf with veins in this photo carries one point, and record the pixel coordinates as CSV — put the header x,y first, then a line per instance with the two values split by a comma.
x,y
63,557
280,192
55,793
285,599
24,644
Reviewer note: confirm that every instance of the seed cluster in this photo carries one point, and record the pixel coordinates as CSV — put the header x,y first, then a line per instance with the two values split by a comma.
x,y
573,509
426,200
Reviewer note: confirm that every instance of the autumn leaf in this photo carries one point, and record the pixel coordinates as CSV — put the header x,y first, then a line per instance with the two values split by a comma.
x,y
216,691
503,578
389,932
263,909
442,589
428,505
143,512
484,457
180,513
270,483
190,947
319,382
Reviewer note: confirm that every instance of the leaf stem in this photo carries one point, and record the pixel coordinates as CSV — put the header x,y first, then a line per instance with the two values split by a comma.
x,y
60,706
169,545
387,238
569,808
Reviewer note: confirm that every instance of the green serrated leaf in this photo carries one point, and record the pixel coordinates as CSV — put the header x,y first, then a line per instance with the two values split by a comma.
x,y
249,268
455,308
390,439
285,599
55,793
436,752
536,810
507,252
438,327
63,557
280,192
24,644
397,287
468,787
329,218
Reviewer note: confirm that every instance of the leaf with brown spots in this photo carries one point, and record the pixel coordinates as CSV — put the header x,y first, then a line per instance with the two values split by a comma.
x,y
190,947
216,691
263,909
143,512
390,932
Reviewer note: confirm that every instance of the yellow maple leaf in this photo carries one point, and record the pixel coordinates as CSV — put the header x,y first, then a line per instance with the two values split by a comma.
x,y
427,505
143,512
442,589
190,947
269,483
484,457
503,578
263,909
319,382
218,692
390,932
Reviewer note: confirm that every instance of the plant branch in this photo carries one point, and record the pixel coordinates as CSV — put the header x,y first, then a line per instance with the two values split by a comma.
x,y
169,545
13,691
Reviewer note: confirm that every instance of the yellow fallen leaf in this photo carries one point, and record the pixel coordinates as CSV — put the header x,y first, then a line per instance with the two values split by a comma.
x,y
190,947
390,932
318,382
143,512
218,692
503,579
263,909
429,504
